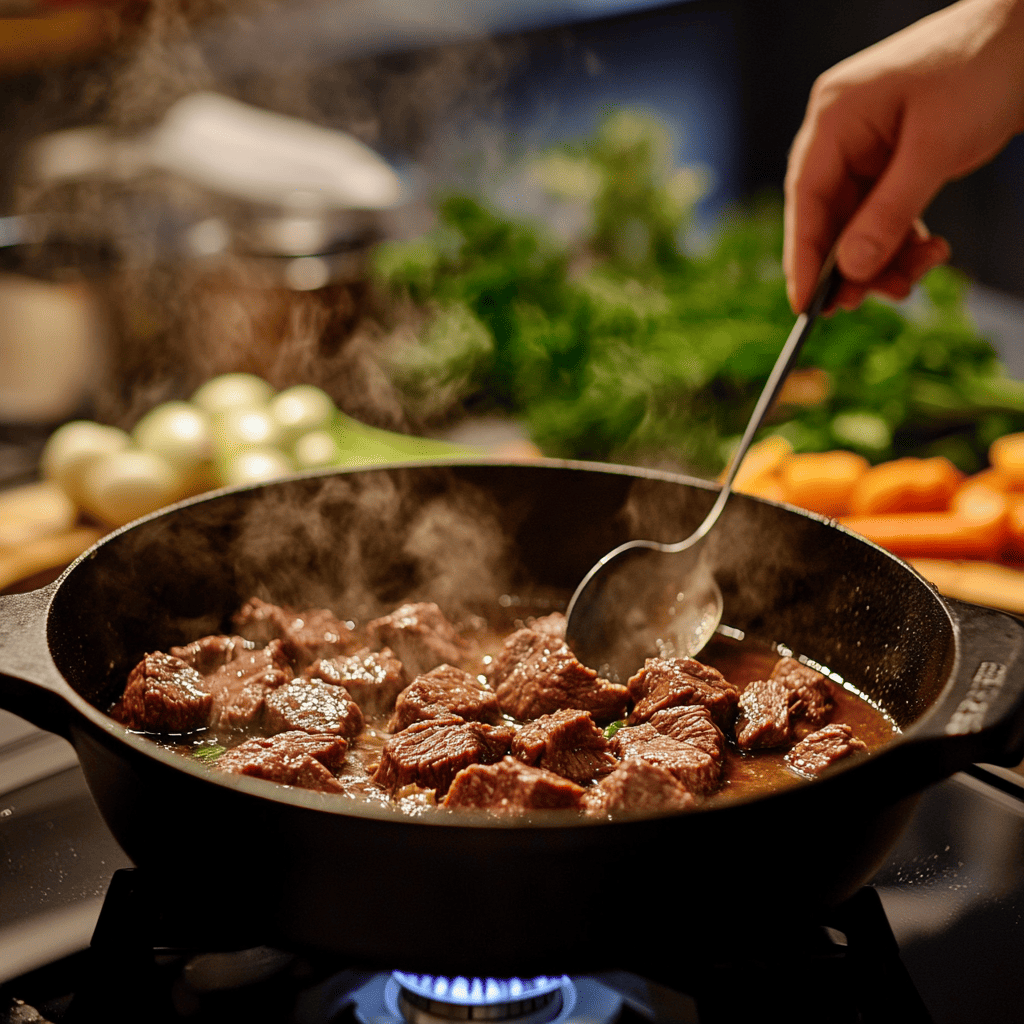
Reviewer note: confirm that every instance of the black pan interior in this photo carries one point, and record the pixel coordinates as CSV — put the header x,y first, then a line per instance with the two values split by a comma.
x,y
463,535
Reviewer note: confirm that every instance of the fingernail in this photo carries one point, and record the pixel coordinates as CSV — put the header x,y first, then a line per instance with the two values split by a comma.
x,y
860,257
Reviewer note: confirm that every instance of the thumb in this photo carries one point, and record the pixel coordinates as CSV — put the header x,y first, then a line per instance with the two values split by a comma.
x,y
879,228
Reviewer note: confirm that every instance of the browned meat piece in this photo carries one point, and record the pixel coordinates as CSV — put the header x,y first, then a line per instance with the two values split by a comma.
x,y
420,636
163,694
639,787
822,749
550,625
696,769
240,686
373,678
210,653
763,720
669,682
260,621
511,787
430,754
692,724
442,692
313,633
291,758
567,743
535,674
810,694
312,706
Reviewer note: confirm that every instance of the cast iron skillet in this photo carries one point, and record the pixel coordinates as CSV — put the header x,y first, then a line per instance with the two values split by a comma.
x,y
465,893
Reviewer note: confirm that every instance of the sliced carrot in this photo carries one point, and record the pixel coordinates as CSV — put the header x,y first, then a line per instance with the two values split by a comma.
x,y
762,459
765,486
935,534
1007,454
822,481
994,478
979,502
906,485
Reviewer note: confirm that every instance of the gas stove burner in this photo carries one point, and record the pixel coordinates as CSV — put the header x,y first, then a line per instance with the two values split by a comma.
x,y
434,999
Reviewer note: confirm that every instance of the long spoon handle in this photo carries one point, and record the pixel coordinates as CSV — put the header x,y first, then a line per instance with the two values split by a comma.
x,y
828,284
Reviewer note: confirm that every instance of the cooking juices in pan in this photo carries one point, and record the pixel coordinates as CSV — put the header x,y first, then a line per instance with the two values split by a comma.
x,y
495,715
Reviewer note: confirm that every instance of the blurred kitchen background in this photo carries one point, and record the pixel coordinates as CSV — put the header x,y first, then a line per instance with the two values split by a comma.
x,y
195,187
432,87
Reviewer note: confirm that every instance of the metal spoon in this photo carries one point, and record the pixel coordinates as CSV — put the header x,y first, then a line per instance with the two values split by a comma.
x,y
645,598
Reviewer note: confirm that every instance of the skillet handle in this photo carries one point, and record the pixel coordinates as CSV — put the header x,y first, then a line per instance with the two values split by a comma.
x,y
30,685
981,716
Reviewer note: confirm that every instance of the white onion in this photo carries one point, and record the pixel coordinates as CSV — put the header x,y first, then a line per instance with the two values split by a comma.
x,y
302,408
232,391
239,429
316,450
124,485
255,466
72,448
181,433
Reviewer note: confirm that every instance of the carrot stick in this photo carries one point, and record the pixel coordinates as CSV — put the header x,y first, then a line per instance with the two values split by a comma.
x,y
934,534
994,478
765,486
822,481
1007,454
980,502
906,485
762,459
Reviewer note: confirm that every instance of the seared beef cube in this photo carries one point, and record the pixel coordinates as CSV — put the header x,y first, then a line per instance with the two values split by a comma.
x,y
810,694
260,621
373,678
822,749
567,743
420,636
511,787
763,719
240,686
312,706
163,694
210,653
696,769
441,693
319,633
535,674
639,787
550,625
291,758
670,682
692,724
430,754
313,633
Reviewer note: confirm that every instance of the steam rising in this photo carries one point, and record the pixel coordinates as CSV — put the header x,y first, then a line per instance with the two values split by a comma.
x,y
398,76
363,544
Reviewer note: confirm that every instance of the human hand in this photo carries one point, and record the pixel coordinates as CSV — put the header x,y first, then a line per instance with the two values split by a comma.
x,y
884,130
